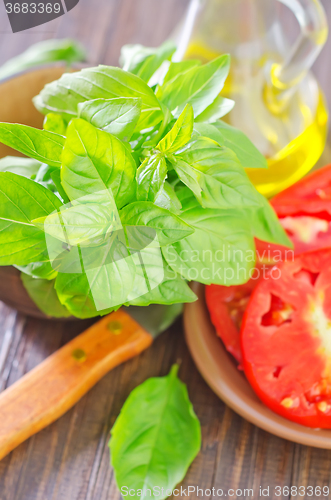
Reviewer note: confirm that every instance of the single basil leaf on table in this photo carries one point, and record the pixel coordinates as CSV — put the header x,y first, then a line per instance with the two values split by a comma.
x,y
180,134
151,176
94,161
155,438
199,86
42,53
55,123
106,82
167,199
43,293
172,290
175,68
226,135
145,61
41,145
21,201
80,224
216,110
220,251
167,226
223,181
26,167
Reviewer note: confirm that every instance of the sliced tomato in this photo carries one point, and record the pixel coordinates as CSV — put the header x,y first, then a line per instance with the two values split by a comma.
x,y
304,210
226,305
286,339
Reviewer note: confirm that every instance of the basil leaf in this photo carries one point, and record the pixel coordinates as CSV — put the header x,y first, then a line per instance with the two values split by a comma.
x,y
180,134
155,438
172,290
150,178
42,270
41,145
77,225
167,199
95,161
189,176
225,135
21,166
105,82
168,226
220,251
55,123
21,201
43,53
175,68
144,61
223,181
56,178
266,226
117,116
217,109
199,86
43,293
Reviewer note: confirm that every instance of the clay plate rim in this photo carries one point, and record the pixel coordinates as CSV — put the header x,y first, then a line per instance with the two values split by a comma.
x,y
221,374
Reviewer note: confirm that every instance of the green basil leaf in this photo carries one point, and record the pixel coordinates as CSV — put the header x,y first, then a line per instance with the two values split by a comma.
x,y
117,116
43,293
180,134
41,145
95,161
145,61
216,110
167,199
199,86
225,135
175,68
42,53
55,123
56,178
150,177
26,167
223,181
266,226
43,270
172,290
81,224
189,176
168,226
155,438
220,251
21,201
105,82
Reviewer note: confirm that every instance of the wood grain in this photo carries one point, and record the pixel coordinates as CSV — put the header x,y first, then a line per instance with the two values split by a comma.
x,y
69,460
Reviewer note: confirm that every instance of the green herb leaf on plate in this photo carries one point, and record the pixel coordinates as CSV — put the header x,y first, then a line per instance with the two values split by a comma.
x,y
117,116
94,161
41,145
155,438
43,293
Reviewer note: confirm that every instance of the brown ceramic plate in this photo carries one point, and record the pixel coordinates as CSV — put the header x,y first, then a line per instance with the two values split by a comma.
x,y
221,374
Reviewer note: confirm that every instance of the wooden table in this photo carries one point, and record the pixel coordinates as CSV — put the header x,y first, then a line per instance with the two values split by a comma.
x,y
70,460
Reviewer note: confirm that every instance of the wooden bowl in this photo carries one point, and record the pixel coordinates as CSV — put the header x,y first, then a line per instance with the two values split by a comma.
x,y
16,107
222,375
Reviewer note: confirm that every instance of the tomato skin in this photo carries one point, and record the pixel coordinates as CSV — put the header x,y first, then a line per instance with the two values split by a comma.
x,y
288,362
304,210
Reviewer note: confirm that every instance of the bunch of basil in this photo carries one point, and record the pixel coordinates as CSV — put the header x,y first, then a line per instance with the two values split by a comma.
x,y
150,134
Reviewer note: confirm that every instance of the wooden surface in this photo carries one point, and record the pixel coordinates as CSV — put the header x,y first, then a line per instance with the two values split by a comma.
x,y
70,460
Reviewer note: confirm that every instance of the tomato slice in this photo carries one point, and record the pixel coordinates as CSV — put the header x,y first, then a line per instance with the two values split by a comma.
x,y
304,211
226,305
286,339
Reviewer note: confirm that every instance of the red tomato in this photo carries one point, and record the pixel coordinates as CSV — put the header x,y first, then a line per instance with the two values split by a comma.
x,y
286,339
304,211
226,305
